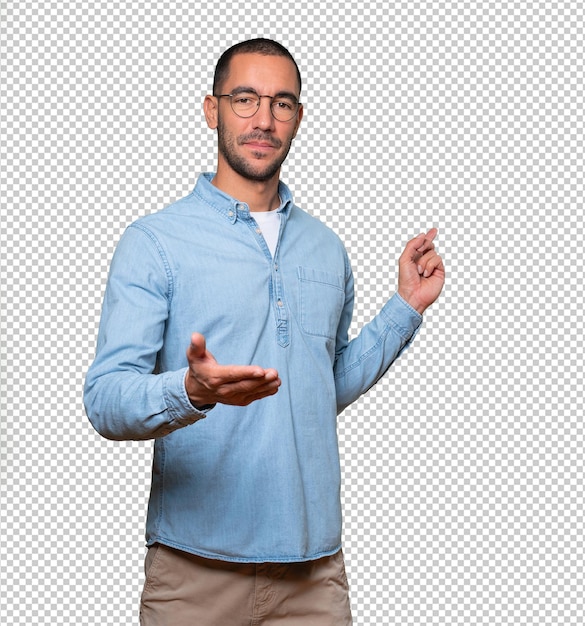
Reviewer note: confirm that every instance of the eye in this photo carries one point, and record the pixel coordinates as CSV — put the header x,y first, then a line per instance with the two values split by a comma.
x,y
284,105
245,99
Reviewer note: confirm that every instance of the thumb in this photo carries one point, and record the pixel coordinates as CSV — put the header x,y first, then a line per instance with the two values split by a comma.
x,y
197,349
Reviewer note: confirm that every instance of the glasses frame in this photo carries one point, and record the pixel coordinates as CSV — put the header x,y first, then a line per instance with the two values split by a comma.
x,y
245,117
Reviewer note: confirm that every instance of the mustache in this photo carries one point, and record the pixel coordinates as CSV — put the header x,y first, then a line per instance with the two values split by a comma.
x,y
260,136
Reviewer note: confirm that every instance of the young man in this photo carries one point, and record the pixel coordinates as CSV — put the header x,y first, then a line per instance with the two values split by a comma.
x,y
244,518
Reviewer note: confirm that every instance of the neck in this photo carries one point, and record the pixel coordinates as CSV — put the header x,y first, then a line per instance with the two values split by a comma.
x,y
258,195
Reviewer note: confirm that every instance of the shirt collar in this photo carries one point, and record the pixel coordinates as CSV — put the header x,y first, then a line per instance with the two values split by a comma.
x,y
231,208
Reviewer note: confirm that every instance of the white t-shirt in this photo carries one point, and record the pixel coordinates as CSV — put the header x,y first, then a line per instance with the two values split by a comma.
x,y
269,223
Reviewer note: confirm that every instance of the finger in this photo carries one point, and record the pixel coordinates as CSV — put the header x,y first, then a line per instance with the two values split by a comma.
x,y
270,374
424,250
429,264
249,385
422,262
268,389
427,242
422,257
428,255
244,392
259,396
418,246
220,375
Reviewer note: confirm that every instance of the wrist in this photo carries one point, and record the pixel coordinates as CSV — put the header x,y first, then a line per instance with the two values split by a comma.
x,y
198,403
412,302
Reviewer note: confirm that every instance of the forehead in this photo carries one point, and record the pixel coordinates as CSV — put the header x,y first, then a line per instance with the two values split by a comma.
x,y
266,74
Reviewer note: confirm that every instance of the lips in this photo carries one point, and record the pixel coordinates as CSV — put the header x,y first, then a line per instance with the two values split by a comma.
x,y
259,146
261,143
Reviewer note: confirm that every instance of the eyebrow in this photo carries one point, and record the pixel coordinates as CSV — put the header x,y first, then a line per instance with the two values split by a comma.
x,y
280,94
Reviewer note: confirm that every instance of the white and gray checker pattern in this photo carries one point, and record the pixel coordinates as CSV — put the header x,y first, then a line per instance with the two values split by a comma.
x,y
463,469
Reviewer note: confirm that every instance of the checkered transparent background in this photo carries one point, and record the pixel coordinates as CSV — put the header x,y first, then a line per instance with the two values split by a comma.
x,y
463,469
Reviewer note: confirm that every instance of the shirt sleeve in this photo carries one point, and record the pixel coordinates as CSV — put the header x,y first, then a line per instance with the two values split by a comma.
x,y
124,396
361,362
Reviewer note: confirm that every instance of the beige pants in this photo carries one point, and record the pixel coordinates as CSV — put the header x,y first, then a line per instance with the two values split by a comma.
x,y
186,590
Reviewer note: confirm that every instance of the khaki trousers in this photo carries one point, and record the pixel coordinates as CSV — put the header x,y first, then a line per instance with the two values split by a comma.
x,y
182,589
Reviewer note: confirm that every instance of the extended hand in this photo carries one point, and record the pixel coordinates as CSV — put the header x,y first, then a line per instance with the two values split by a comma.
x,y
421,273
207,382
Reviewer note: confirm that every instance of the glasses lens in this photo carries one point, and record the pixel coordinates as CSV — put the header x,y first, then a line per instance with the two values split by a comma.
x,y
245,104
284,108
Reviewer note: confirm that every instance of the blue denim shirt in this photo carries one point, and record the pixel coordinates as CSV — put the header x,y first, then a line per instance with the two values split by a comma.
x,y
256,483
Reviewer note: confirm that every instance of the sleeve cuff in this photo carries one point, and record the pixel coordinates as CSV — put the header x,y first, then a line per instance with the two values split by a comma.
x,y
402,317
181,411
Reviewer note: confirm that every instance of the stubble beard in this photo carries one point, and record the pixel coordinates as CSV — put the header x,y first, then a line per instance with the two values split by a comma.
x,y
258,170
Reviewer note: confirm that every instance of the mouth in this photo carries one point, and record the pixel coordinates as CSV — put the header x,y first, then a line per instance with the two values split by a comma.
x,y
260,145
258,142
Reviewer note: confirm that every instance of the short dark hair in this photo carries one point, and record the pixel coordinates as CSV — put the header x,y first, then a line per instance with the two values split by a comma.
x,y
267,47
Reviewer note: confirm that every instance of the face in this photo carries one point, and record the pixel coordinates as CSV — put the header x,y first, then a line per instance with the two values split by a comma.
x,y
254,147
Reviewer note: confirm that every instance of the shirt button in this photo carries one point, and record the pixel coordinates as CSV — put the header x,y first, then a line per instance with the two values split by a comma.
x,y
258,231
279,303
230,213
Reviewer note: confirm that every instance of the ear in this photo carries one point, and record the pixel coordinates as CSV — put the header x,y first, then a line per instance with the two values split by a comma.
x,y
210,105
298,120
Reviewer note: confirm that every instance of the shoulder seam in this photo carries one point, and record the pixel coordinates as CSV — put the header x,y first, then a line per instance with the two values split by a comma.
x,y
162,254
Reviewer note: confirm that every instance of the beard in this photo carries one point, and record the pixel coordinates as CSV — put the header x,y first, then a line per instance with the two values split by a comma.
x,y
260,169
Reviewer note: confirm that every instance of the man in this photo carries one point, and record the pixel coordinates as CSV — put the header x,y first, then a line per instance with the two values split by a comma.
x,y
244,518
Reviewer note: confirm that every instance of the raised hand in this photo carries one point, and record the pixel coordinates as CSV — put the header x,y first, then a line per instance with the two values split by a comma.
x,y
207,382
421,273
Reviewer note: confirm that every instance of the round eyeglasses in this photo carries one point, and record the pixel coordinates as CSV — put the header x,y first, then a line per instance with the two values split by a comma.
x,y
247,103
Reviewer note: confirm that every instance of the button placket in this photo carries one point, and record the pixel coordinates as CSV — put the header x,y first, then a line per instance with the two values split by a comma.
x,y
276,291
281,311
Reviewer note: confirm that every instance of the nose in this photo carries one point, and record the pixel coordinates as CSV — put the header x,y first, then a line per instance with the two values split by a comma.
x,y
263,118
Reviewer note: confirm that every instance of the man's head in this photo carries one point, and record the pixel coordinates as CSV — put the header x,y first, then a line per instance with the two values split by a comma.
x,y
255,108
266,47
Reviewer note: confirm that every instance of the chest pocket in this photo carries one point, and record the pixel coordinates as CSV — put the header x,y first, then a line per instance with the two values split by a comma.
x,y
322,295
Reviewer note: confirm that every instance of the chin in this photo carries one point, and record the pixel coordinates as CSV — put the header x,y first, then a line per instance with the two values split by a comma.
x,y
263,174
